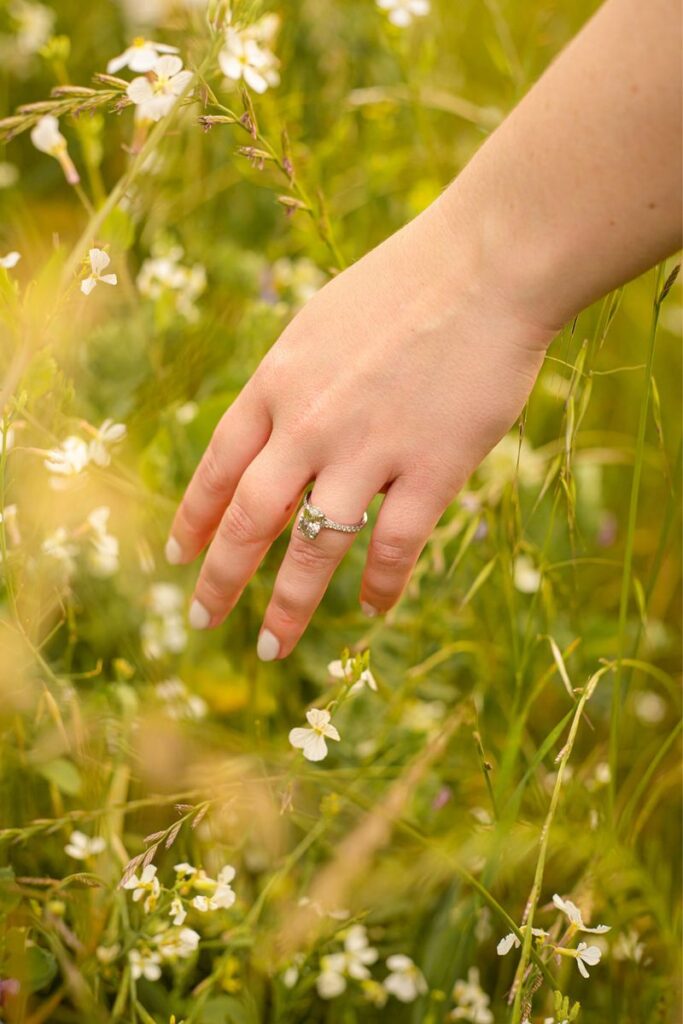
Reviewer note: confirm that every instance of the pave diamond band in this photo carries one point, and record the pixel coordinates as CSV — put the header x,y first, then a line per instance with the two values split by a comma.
x,y
312,520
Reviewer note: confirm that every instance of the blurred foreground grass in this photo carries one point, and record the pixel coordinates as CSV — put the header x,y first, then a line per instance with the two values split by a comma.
x,y
550,580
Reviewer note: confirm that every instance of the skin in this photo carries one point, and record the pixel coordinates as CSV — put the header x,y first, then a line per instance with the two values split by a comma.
x,y
432,342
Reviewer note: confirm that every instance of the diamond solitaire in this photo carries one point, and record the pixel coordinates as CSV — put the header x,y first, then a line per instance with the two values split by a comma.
x,y
312,520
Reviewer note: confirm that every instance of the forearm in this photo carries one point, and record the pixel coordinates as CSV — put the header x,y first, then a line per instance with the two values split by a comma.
x,y
579,189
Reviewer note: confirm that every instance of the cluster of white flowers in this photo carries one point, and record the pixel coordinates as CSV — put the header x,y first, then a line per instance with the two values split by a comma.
x,y
166,946
93,539
402,12
471,1002
163,274
211,893
178,702
163,630
161,79
246,53
74,454
405,981
345,671
585,955
295,281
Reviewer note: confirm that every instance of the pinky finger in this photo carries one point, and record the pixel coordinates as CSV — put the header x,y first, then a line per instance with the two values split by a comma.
x,y
405,521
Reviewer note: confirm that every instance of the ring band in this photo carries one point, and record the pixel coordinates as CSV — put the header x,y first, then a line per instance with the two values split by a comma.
x,y
312,520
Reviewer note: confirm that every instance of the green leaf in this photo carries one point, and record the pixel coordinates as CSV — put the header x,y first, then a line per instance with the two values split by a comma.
x,y
63,774
41,968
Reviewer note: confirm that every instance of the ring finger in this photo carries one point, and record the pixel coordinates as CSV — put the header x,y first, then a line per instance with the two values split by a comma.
x,y
344,494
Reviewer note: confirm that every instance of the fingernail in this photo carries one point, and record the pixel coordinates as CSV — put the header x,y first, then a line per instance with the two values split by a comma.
x,y
267,646
368,610
199,616
173,551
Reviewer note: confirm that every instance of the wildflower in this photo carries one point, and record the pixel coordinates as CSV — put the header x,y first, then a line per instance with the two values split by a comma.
x,y
297,280
215,894
629,947
512,940
69,459
187,412
58,546
312,741
146,887
155,97
402,12
80,846
104,550
140,56
184,870
108,434
179,702
338,670
163,631
163,272
527,577
33,26
177,911
575,919
406,981
585,956
245,54
352,962
145,964
47,138
99,261
10,260
472,1002
107,954
177,943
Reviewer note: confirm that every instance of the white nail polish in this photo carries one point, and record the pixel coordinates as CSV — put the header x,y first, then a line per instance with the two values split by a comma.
x,y
199,616
173,551
368,610
268,646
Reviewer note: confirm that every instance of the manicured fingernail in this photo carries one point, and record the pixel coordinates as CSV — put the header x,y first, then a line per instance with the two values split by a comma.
x,y
173,551
268,646
199,616
368,610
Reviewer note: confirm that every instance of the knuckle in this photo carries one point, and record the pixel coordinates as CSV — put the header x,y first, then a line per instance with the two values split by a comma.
x,y
289,609
238,525
211,473
308,555
391,555
214,586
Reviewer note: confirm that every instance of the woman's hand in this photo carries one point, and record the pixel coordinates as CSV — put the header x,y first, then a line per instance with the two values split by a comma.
x,y
399,376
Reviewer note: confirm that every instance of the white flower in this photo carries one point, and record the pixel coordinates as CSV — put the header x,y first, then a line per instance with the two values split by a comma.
x,y
245,54
510,940
145,964
58,546
156,97
141,56
164,272
352,962
163,631
174,943
80,846
217,894
165,598
34,23
103,556
107,954
108,434
406,981
629,947
10,260
99,261
366,678
402,12
177,911
185,413
179,702
527,577
146,887
312,741
472,1003
47,138
586,954
184,870
575,919
69,459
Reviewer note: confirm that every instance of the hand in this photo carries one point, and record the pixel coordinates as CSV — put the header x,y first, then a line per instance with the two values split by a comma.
x,y
397,377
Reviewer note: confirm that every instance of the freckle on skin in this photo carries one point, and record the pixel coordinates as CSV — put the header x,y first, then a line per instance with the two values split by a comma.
x,y
652,206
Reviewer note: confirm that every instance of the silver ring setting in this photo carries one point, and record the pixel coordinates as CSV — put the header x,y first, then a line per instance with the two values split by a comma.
x,y
312,520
